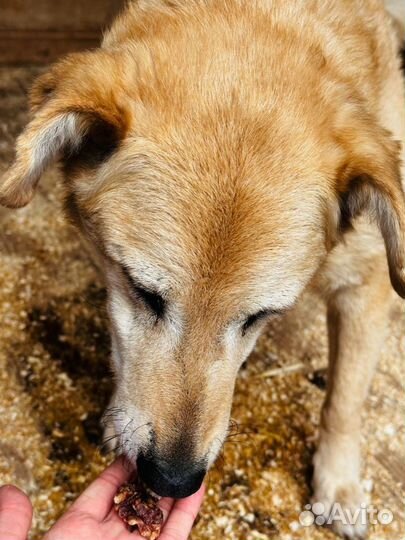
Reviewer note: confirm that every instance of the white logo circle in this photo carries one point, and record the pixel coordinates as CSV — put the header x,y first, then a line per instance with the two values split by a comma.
x,y
320,520
318,508
385,516
307,518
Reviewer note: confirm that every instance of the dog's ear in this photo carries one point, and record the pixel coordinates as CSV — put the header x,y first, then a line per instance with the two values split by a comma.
x,y
370,182
75,113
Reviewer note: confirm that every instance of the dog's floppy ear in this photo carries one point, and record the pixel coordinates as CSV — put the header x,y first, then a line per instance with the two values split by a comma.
x,y
71,107
370,182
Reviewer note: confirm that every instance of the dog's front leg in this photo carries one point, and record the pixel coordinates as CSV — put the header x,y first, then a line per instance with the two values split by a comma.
x,y
356,319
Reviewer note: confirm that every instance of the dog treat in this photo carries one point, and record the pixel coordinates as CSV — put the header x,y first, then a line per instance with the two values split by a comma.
x,y
137,507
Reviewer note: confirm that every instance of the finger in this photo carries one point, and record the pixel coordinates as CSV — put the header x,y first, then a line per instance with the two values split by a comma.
x,y
166,505
97,499
182,517
15,514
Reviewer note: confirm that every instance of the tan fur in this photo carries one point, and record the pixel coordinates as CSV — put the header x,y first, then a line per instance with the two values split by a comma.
x,y
250,132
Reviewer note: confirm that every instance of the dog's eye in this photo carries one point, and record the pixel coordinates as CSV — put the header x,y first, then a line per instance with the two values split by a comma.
x,y
253,319
154,301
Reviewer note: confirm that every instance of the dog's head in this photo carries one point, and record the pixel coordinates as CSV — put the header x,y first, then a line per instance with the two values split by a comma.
x,y
209,214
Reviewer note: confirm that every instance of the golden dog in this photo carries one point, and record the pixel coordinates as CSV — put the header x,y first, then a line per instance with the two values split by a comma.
x,y
220,157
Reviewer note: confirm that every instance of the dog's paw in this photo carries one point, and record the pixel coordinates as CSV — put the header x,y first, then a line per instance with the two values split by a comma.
x,y
339,501
343,509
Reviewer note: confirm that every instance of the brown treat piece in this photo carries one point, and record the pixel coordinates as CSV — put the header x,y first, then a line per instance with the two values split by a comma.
x,y
137,507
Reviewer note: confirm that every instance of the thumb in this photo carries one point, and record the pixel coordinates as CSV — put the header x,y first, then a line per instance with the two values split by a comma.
x,y
15,514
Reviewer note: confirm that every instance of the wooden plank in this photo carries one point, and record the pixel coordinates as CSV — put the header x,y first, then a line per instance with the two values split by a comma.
x,y
40,31
57,15
43,47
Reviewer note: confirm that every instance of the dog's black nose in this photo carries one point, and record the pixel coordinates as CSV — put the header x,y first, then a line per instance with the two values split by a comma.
x,y
168,479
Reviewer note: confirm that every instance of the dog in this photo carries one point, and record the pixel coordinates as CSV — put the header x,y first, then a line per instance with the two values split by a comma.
x,y
219,158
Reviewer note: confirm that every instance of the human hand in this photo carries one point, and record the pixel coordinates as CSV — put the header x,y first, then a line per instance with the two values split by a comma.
x,y
92,515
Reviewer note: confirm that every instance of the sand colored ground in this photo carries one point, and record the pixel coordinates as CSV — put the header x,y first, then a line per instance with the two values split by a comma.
x,y
55,381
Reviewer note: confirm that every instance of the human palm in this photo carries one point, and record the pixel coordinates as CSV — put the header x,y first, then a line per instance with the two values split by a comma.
x,y
92,515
